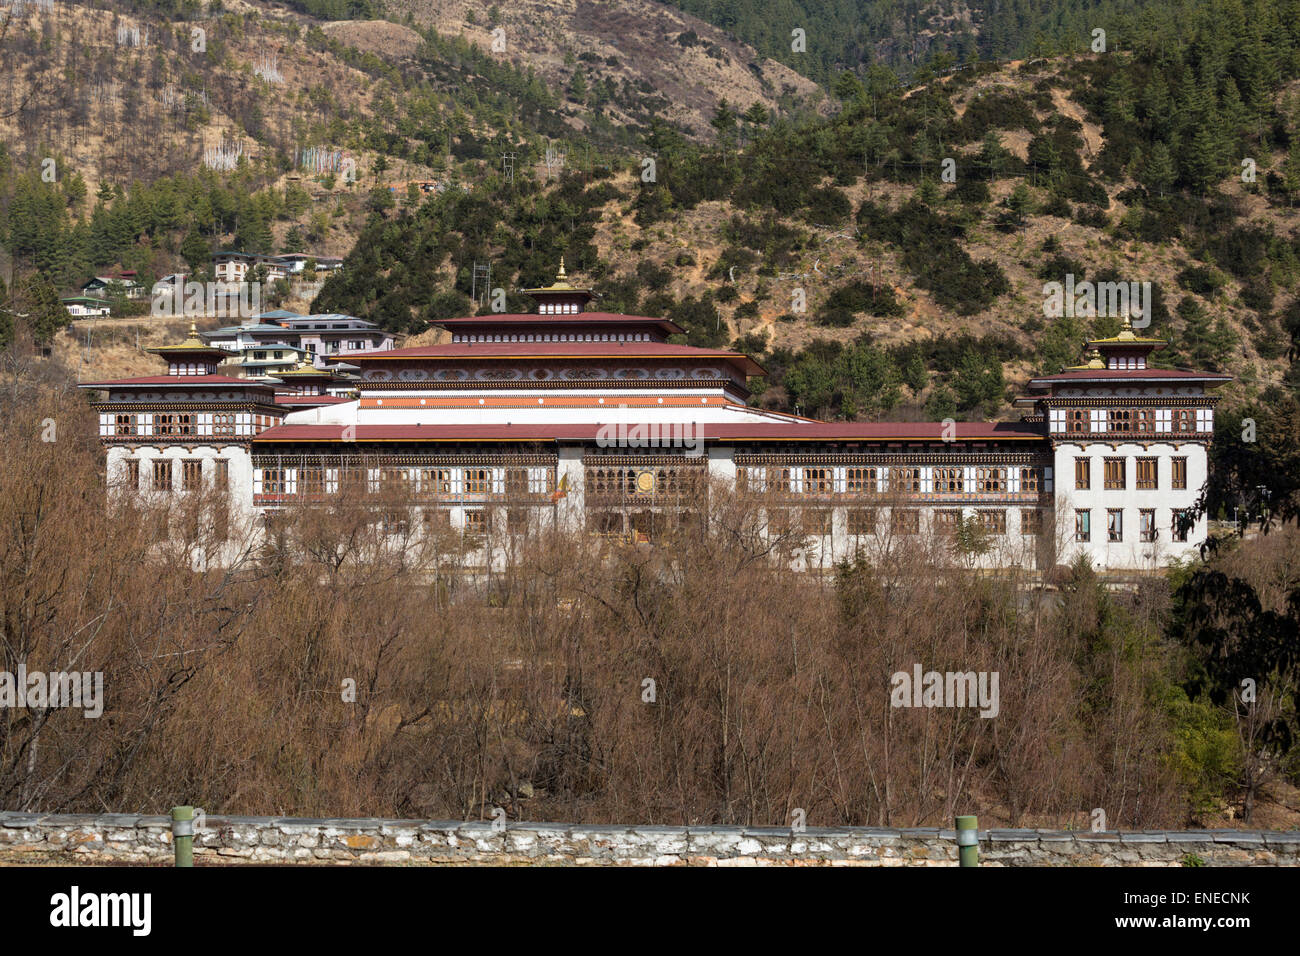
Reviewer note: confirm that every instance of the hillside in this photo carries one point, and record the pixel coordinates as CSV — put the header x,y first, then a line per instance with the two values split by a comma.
x,y
682,64
837,246
101,89
922,296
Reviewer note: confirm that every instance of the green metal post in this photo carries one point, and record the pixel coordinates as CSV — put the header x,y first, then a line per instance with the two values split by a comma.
x,y
183,835
968,848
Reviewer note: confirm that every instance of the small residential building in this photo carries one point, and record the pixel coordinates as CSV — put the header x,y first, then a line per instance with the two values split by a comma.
x,y
232,266
332,334
98,286
82,306
294,262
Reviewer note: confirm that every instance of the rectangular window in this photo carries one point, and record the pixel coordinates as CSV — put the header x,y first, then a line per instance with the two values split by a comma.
x,y
860,481
991,481
311,481
124,424
778,480
816,521
905,521
516,482
394,522
191,474
435,482
436,519
862,521
1115,524
221,474
1031,521
948,481
220,521
476,523
394,481
946,521
1184,419
272,481
1179,473
906,480
1115,479
517,520
817,481
1083,525
1146,474
1082,473
173,424
1146,421
1030,480
1078,420
993,522
132,475
1182,523
162,475
1147,524
779,522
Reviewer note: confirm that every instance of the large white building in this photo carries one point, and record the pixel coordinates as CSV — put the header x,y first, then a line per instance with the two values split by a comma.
x,y
592,420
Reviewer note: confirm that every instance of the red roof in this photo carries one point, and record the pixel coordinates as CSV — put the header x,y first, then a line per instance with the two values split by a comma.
x,y
177,380
1130,374
755,431
312,400
564,318
555,350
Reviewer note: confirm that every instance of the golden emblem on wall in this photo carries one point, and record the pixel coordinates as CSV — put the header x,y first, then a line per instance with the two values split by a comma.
x,y
645,482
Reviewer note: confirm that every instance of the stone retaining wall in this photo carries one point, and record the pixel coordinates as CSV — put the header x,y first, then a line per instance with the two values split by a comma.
x,y
125,838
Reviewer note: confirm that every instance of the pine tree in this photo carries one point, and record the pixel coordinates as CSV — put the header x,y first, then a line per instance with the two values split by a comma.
x,y
578,86
1157,172
1291,172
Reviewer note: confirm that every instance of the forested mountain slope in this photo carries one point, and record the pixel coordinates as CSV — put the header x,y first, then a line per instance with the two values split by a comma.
x,y
1125,166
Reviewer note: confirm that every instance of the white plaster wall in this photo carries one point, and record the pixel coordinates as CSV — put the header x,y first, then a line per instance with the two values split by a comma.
x,y
1131,553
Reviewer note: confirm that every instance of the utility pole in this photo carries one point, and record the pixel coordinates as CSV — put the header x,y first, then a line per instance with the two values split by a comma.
x,y
483,273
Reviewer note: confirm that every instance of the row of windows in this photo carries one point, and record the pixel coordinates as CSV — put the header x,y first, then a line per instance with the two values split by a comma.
x,y
992,480
1115,474
476,521
184,424
1137,421
902,521
1180,524
407,482
641,481
163,473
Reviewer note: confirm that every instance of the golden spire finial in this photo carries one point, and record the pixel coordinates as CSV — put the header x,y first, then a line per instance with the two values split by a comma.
x,y
1095,359
560,274
1126,333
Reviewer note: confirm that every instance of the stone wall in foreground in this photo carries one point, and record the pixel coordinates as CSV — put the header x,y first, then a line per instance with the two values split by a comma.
x,y
125,838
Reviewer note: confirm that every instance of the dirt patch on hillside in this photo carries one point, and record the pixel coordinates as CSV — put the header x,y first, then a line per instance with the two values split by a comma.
x,y
375,36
